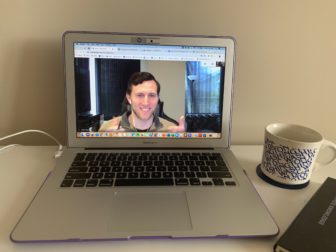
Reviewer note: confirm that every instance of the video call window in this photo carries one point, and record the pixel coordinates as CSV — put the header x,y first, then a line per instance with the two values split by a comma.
x,y
190,87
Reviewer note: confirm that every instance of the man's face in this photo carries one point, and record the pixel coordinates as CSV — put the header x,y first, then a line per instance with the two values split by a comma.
x,y
143,99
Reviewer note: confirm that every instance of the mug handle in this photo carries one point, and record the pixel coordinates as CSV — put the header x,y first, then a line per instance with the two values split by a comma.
x,y
326,144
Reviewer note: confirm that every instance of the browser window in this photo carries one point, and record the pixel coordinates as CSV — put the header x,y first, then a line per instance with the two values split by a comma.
x,y
191,80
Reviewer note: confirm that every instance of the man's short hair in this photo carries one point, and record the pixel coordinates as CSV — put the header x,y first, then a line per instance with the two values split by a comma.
x,y
138,78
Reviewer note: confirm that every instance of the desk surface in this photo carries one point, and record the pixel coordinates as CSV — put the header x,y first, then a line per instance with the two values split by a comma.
x,y
23,170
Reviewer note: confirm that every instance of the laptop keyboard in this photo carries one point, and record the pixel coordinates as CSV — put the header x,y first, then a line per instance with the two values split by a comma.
x,y
147,169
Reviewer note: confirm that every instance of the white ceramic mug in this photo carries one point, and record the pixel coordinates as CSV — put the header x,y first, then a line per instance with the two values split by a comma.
x,y
289,154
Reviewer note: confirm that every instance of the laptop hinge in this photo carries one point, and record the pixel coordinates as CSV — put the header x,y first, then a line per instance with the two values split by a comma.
x,y
161,148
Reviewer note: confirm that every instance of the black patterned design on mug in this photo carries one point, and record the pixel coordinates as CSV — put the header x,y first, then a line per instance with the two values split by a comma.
x,y
289,163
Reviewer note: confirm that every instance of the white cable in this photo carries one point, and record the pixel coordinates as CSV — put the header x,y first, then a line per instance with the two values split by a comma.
x,y
8,146
58,153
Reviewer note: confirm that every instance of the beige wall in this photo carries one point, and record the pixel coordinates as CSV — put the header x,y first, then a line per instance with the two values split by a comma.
x,y
285,68
171,76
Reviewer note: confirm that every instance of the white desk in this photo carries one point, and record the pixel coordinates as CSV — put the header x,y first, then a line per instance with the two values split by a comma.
x,y
23,170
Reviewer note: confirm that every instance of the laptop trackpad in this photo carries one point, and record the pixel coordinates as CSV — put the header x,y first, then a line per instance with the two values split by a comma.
x,y
150,211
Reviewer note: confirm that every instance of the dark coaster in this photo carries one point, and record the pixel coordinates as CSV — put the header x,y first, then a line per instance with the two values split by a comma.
x,y
275,183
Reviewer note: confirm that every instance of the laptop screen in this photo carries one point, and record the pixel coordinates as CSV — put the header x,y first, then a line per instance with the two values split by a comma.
x,y
148,90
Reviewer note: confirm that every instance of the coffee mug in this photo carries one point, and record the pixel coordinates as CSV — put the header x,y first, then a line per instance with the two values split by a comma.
x,y
289,155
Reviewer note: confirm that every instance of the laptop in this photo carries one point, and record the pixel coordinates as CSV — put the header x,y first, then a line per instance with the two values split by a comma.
x,y
172,178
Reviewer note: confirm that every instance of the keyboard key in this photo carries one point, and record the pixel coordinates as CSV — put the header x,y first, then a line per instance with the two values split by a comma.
x,y
179,174
78,169
143,158
133,175
194,181
207,183
79,183
194,158
230,183
133,157
116,169
150,168
156,175
210,162
190,174
220,162
189,162
161,158
193,168
109,175
172,168
104,163
93,163
169,163
183,168
181,182
200,163
167,174
98,175
94,169
218,182
219,175
101,156
144,182
67,183
92,183
78,175
201,174
112,157
144,175
80,157
128,169
79,163
121,175
115,163
161,168
126,163
122,157
158,163
105,169
106,182
139,169
219,168
180,162
204,168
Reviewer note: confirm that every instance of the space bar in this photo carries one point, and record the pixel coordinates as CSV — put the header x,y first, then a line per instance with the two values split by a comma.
x,y
143,182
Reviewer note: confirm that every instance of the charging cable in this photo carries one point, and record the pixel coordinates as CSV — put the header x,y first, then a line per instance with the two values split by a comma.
x,y
58,153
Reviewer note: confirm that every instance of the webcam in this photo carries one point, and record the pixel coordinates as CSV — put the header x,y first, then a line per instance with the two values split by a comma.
x,y
146,40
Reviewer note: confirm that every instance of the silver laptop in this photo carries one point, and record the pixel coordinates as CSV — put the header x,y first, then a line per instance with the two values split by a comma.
x,y
148,155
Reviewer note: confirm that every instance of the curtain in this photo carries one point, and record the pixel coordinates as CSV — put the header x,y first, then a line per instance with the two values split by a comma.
x,y
112,77
203,88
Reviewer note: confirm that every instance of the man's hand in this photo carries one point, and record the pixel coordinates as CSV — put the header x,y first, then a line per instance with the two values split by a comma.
x,y
179,127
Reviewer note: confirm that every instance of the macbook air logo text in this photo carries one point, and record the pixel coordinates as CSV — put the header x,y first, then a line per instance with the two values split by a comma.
x,y
150,142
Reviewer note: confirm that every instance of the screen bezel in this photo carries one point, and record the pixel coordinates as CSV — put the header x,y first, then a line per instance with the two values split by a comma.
x,y
71,37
